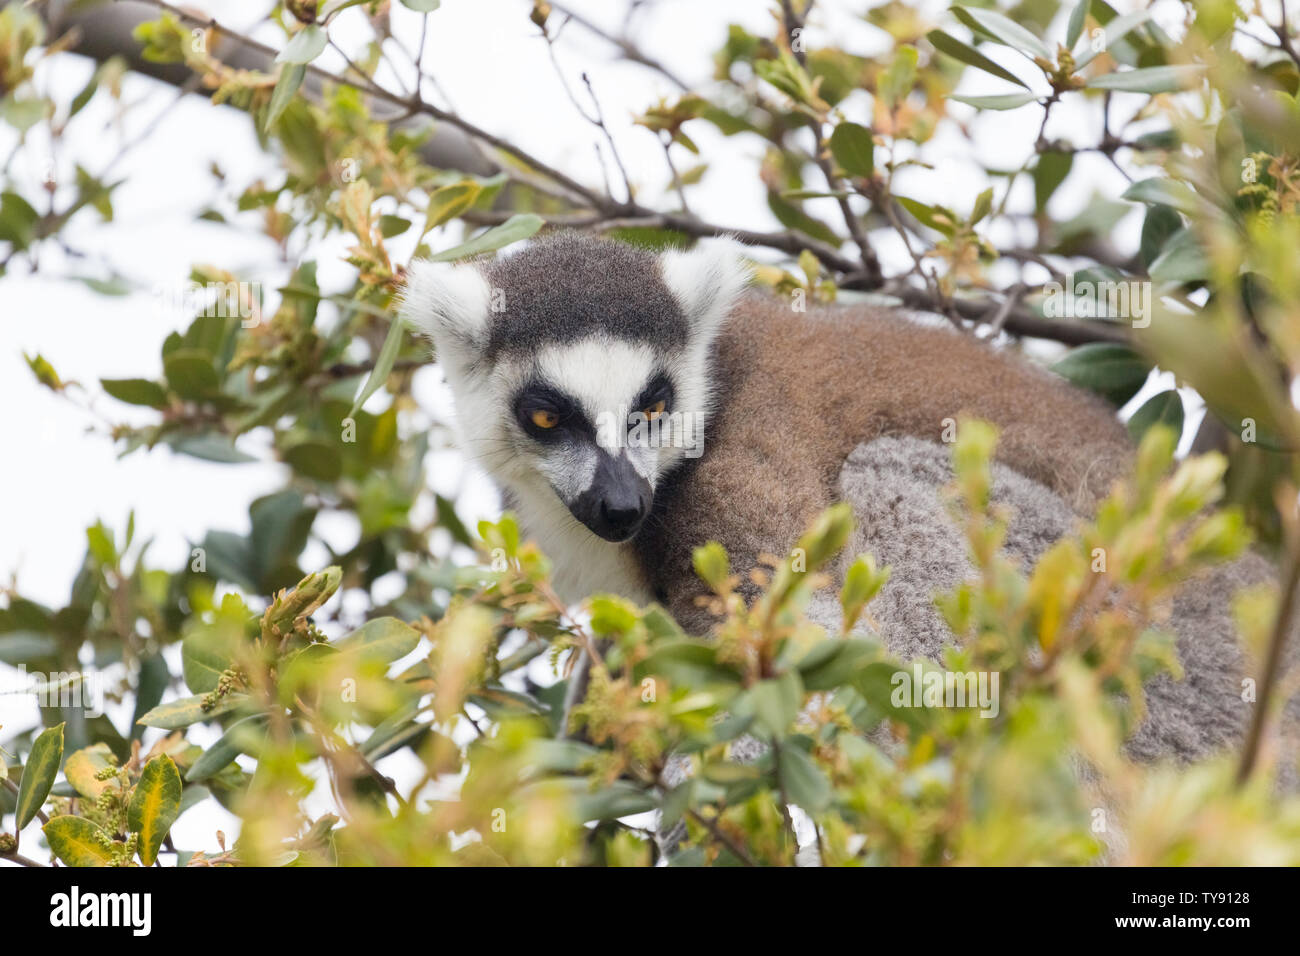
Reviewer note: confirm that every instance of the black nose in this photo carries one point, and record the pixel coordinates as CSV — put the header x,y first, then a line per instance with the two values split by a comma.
x,y
622,518
616,502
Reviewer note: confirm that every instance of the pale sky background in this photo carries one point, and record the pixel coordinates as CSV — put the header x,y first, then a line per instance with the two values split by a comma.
x,y
61,471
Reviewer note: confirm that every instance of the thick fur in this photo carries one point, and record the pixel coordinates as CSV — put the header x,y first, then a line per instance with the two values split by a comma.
x,y
798,392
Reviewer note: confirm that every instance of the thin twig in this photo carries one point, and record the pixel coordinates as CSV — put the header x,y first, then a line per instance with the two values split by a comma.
x,y
716,832
1272,662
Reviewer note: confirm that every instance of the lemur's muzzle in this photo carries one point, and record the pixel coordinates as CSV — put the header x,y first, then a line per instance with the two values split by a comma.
x,y
616,502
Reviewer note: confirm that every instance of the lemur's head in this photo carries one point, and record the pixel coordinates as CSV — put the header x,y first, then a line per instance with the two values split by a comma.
x,y
579,365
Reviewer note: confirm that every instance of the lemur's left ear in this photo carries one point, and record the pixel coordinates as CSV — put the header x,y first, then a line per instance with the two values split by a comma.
x,y
449,303
707,281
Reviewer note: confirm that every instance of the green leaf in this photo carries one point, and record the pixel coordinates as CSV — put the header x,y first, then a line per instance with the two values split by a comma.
x,y
999,28
862,582
23,114
78,842
1153,79
383,367
833,662
136,391
514,229
155,805
1115,30
239,737
1049,172
291,76
207,651
792,216
176,714
43,370
39,771
209,446
1007,101
1074,29
18,220
383,639
304,46
1160,191
936,217
390,226
1163,409
854,149
317,459
776,701
803,781
1182,259
190,373
711,564
620,799
897,81
1160,225
153,680
19,647
1112,370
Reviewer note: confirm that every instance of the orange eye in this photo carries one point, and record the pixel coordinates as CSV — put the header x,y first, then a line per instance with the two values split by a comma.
x,y
655,410
544,418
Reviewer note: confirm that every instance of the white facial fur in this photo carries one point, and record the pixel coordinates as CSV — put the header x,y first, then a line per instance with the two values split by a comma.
x,y
602,374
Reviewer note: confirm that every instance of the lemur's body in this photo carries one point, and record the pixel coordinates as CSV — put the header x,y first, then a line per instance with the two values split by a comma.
x,y
797,392
799,409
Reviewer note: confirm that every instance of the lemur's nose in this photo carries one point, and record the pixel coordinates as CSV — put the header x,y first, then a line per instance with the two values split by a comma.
x,y
622,517
616,502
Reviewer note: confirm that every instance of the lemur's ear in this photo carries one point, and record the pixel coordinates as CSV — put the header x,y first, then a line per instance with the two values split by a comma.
x,y
707,281
449,303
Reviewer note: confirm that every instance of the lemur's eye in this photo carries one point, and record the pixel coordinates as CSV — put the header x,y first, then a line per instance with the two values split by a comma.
x,y
545,418
655,410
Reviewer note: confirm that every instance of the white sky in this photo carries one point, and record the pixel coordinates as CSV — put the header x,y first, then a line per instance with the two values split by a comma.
x,y
58,477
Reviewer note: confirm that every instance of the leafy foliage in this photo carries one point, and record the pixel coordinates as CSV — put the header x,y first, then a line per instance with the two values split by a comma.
x,y
450,664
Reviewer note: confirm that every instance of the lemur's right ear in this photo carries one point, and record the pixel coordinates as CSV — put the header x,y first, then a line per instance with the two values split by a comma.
x,y
449,303
707,281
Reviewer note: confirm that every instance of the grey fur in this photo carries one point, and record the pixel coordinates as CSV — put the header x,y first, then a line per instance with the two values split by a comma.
x,y
894,485
569,285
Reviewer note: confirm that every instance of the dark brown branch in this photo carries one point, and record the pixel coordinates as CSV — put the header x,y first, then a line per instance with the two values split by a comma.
x,y
1018,321
105,31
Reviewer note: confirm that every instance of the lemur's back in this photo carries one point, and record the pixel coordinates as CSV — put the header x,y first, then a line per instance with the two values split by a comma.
x,y
797,392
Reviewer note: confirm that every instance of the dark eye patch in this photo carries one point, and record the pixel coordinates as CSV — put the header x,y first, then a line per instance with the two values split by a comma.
x,y
658,389
539,397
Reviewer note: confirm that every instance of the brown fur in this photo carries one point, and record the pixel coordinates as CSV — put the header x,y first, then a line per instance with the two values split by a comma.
x,y
797,392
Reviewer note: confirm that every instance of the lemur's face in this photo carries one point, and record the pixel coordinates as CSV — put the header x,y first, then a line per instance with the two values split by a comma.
x,y
579,367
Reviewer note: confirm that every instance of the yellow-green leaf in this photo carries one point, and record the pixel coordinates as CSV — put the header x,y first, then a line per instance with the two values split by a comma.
x,y
83,766
78,842
449,202
155,805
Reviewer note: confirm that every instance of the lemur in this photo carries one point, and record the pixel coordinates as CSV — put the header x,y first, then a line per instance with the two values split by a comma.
x,y
557,354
